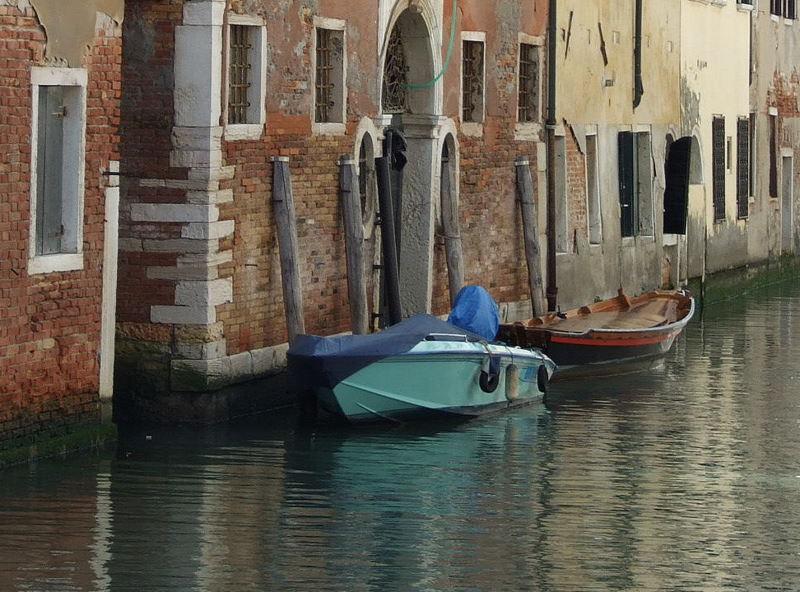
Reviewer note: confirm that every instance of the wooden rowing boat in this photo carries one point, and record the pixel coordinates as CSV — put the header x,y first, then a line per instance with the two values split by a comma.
x,y
597,338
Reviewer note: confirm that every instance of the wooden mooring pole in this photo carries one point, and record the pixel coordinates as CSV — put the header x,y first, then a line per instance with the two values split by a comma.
x,y
531,235
286,227
354,245
452,233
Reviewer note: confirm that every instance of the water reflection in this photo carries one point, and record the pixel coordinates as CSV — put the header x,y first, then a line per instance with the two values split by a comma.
x,y
683,478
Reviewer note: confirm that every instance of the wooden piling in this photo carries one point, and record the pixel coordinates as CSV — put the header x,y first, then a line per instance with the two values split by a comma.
x,y
354,246
286,227
531,235
452,232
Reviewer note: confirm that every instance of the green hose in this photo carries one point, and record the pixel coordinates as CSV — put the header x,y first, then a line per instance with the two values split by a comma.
x,y
453,23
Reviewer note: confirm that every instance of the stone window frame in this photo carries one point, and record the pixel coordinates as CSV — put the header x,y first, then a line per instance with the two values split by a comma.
x,y
329,128
74,170
597,239
257,94
472,128
529,131
643,189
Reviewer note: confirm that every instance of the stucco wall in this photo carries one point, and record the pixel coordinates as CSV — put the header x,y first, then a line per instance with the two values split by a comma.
x,y
715,42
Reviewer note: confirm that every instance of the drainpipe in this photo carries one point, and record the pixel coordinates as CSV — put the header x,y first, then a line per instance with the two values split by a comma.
x,y
552,284
638,87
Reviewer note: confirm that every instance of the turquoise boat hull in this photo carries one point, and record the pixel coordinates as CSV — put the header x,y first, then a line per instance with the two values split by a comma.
x,y
438,378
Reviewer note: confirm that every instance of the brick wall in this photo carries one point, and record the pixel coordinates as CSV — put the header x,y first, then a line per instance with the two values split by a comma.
x,y
254,319
50,323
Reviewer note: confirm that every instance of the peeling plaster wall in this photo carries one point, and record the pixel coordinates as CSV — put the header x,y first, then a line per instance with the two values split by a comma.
x,y
776,84
70,25
715,81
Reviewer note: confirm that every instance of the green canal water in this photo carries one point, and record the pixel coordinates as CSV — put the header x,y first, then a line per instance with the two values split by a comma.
x,y
683,478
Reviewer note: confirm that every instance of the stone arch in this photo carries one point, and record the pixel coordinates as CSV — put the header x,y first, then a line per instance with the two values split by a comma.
x,y
367,148
449,157
415,22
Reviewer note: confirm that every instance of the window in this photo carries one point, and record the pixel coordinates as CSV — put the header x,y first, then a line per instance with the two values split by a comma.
x,y
329,79
528,82
718,166
57,164
635,184
742,167
773,155
785,8
246,83
751,165
395,96
593,191
472,80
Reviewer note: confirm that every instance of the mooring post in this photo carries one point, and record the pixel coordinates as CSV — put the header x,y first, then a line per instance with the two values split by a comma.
x,y
354,245
286,227
531,235
452,232
388,226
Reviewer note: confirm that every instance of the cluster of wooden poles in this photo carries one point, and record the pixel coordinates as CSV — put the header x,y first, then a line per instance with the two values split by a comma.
x,y
286,227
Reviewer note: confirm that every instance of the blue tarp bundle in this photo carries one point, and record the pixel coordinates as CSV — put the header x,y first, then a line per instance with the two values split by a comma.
x,y
326,361
476,311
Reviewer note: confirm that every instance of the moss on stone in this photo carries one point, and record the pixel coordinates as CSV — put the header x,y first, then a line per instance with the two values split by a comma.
x,y
58,442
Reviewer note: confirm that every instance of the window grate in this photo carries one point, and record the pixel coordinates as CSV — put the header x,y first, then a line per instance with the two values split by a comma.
x,y
773,156
472,83
743,167
718,164
395,74
239,74
324,78
528,82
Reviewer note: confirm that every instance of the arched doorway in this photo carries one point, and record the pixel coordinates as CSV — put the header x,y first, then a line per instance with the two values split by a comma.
x,y
410,104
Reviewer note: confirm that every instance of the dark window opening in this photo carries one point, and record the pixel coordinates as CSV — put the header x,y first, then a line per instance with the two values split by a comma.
x,y
773,156
742,167
239,74
395,73
324,78
528,82
49,171
472,81
718,167
676,195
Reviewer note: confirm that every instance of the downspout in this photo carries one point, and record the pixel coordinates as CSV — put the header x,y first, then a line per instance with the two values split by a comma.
x,y
552,283
638,87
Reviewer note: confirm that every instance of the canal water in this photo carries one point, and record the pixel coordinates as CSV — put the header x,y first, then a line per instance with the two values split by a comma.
x,y
683,478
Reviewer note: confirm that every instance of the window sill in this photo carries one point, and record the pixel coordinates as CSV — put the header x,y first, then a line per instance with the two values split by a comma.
x,y
472,129
55,263
328,129
670,240
244,131
527,132
745,7
788,22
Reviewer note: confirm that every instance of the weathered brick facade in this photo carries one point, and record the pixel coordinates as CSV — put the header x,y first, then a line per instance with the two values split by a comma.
x,y
50,323
235,329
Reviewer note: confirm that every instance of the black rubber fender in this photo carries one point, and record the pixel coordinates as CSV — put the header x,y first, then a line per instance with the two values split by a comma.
x,y
543,379
489,381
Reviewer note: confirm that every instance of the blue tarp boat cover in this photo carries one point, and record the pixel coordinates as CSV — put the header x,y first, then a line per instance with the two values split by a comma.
x,y
476,311
326,361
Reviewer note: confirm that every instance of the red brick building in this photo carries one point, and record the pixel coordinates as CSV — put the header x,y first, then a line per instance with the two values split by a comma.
x,y
60,85
213,90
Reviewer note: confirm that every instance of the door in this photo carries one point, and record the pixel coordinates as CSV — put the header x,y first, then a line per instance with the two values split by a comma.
x,y
676,194
787,205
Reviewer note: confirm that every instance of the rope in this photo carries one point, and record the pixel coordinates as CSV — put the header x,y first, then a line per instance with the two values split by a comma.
x,y
446,65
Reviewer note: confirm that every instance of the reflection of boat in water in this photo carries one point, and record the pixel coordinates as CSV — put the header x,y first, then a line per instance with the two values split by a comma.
x,y
597,338
420,367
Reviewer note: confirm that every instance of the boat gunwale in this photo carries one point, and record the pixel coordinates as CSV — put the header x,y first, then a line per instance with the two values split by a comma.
x,y
678,324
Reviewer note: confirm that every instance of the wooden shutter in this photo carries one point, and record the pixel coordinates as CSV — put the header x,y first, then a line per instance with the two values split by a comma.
x,y
627,183
676,195
49,170
742,167
718,167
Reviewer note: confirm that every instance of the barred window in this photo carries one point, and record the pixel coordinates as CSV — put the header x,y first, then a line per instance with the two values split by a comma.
x,y
472,81
742,167
329,79
718,167
528,82
790,9
239,74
